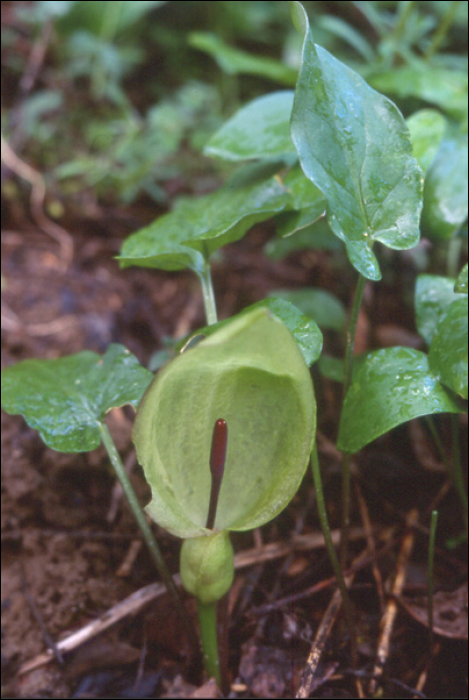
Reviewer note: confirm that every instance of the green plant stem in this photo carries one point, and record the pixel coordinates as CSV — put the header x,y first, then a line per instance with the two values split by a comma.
x,y
348,375
205,276
394,38
455,248
111,16
208,633
404,16
431,561
326,531
224,17
345,496
443,29
145,529
437,440
351,332
458,476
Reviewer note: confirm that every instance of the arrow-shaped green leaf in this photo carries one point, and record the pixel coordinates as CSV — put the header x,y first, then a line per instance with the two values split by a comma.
x,y
391,387
433,297
258,131
446,186
449,349
66,399
354,145
201,225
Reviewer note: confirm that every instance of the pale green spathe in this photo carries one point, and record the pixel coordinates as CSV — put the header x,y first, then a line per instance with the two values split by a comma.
x,y
251,373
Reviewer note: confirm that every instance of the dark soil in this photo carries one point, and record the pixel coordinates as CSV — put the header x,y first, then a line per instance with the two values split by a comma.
x,y
66,531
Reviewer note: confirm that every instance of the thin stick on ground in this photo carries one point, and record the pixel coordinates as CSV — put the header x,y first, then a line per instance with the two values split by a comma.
x,y
389,617
365,516
38,195
322,635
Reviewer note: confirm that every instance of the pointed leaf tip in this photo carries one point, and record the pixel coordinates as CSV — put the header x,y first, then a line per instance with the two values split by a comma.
x,y
354,145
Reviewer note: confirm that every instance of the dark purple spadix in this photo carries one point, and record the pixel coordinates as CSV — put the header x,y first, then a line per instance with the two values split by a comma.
x,y
217,467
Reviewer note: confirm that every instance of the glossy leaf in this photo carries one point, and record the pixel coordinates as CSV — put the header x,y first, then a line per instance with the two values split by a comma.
x,y
449,349
236,62
391,387
332,368
304,330
354,145
446,190
433,297
259,130
462,282
304,193
66,399
427,128
307,205
444,88
312,237
252,374
199,226
328,312
162,245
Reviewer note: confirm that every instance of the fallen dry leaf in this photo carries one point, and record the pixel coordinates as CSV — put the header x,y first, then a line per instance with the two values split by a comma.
x,y
449,612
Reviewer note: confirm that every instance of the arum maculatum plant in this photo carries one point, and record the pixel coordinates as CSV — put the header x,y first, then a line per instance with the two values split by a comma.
x,y
224,434
225,430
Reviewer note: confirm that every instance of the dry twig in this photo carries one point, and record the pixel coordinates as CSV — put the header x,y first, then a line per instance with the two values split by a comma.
x,y
38,194
389,617
324,630
365,516
327,622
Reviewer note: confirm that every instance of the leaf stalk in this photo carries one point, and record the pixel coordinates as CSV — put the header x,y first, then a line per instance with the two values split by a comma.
x,y
458,477
205,276
442,31
348,375
336,566
431,561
